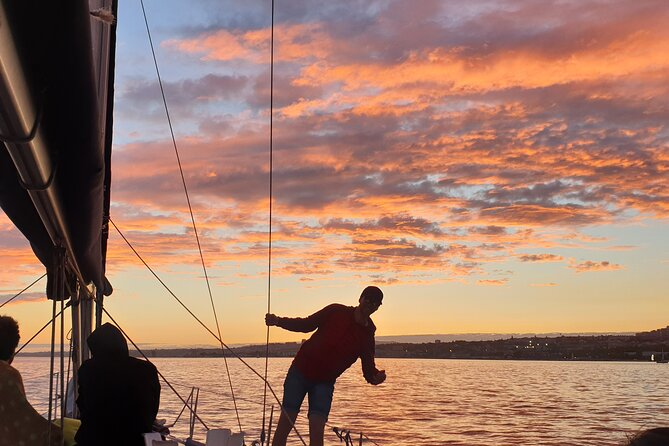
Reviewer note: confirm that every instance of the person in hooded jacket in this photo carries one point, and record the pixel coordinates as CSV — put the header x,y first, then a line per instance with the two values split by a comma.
x,y
119,395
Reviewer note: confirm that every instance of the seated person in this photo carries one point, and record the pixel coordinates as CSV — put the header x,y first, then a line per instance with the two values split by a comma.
x,y
19,421
118,395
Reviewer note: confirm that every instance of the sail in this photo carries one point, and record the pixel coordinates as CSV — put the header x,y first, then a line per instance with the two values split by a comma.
x,y
55,123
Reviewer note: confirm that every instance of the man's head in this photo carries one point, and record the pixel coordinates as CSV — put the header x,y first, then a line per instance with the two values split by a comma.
x,y
371,299
9,337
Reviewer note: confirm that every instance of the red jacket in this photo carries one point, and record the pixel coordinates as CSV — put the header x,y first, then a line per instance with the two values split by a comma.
x,y
338,342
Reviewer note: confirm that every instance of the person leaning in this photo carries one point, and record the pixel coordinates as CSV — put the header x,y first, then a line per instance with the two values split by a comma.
x,y
343,334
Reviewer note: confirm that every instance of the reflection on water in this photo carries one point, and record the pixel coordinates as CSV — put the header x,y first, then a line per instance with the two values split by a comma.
x,y
431,402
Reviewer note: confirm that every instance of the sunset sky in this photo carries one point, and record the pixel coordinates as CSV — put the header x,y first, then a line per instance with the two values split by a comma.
x,y
493,166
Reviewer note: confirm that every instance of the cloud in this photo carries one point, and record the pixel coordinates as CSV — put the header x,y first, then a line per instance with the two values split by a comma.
x,y
589,266
408,136
422,136
488,230
23,298
540,258
544,285
399,223
541,215
493,282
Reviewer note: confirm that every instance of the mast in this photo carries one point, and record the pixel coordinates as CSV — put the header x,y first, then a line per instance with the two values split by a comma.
x,y
56,104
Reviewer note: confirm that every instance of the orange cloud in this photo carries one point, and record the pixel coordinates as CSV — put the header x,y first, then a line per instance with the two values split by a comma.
x,y
292,42
589,266
493,282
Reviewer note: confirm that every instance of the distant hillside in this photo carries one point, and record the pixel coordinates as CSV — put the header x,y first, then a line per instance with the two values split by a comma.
x,y
553,346
423,338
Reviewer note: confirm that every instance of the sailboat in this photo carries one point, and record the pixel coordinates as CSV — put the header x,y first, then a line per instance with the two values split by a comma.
x,y
662,359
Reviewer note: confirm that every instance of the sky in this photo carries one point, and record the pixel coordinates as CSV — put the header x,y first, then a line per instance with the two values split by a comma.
x,y
493,166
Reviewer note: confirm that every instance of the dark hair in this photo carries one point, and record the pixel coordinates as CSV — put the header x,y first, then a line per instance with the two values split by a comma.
x,y
658,436
373,293
9,337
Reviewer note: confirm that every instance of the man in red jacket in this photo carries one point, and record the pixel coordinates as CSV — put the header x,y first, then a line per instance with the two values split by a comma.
x,y
343,334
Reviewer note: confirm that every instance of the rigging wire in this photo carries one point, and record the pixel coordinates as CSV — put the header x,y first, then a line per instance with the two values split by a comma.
x,y
199,321
147,359
23,290
258,403
182,409
190,208
51,365
39,332
67,377
138,350
269,235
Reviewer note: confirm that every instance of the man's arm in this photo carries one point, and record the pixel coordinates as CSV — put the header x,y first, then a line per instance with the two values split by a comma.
x,y
370,372
301,324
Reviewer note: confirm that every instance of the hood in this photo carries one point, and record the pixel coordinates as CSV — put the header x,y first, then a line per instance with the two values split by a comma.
x,y
107,341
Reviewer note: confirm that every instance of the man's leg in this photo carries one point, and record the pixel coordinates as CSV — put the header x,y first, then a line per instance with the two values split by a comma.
x,y
294,390
316,429
320,402
284,427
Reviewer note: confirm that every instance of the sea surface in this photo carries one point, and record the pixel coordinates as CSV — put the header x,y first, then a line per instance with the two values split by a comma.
x,y
425,402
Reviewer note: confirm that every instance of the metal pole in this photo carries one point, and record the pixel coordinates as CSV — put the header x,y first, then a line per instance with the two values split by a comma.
x,y
269,427
62,359
86,312
77,342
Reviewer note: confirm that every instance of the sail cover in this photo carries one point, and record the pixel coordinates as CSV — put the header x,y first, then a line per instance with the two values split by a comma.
x,y
55,122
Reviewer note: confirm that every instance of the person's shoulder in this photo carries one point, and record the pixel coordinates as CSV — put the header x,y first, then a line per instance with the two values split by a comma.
x,y
339,310
334,308
10,379
143,365
9,372
87,364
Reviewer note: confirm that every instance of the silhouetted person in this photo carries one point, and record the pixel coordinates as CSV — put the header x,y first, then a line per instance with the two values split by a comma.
x,y
343,334
651,437
118,395
19,421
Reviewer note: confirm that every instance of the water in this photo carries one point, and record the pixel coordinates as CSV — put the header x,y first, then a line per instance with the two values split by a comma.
x,y
430,402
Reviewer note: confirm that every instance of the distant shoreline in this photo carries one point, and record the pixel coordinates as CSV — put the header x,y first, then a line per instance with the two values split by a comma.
x,y
646,346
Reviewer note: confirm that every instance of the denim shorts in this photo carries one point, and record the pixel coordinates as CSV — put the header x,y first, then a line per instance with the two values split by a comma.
x,y
296,386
